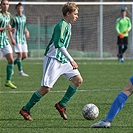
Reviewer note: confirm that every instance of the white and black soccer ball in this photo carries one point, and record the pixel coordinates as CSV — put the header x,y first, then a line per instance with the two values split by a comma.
x,y
90,111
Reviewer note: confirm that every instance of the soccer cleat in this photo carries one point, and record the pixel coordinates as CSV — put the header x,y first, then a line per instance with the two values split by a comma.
x,y
21,73
26,114
10,84
62,110
101,124
122,60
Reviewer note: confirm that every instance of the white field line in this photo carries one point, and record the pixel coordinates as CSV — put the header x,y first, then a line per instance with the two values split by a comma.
x,y
24,92
90,63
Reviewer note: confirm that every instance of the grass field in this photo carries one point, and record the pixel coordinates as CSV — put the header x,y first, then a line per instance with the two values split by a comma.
x,y
103,80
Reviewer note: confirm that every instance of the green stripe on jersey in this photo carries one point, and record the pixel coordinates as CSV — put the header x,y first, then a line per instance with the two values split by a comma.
x,y
60,38
19,23
4,21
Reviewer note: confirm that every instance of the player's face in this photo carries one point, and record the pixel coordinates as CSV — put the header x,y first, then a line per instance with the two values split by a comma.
x,y
73,16
5,5
123,14
19,9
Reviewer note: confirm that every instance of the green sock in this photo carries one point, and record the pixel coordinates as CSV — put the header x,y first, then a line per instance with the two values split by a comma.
x,y
15,62
9,70
34,99
70,92
19,63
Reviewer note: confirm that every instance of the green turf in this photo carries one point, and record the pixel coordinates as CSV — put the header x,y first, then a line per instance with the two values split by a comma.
x,y
103,80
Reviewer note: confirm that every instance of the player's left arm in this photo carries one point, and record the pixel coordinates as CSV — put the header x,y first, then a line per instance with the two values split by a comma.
x,y
129,25
27,33
12,30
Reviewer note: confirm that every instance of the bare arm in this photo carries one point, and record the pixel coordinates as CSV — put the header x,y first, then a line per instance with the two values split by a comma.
x,y
27,33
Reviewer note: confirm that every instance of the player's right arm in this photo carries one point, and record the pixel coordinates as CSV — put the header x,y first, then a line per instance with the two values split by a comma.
x,y
121,35
117,26
8,27
12,22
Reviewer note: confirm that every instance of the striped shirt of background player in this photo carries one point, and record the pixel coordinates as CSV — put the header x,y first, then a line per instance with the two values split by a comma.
x,y
19,23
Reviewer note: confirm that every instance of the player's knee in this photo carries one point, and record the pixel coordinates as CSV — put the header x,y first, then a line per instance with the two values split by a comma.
x,y
77,81
44,90
10,61
24,57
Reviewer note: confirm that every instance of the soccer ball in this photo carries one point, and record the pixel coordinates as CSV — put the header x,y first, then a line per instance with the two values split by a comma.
x,y
90,111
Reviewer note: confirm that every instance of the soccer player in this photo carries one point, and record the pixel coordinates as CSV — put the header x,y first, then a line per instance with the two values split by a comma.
x,y
123,26
116,106
19,41
5,46
57,62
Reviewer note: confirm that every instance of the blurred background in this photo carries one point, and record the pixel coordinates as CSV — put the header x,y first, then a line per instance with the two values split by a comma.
x,y
87,41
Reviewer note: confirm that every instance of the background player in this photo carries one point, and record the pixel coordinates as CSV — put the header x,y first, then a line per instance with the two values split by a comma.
x,y
57,62
20,35
5,47
117,105
123,26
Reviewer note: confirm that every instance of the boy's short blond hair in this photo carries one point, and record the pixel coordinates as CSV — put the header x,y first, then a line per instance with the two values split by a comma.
x,y
69,7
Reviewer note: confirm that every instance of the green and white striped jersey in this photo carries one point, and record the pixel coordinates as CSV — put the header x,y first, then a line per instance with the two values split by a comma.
x,y
60,38
19,23
4,21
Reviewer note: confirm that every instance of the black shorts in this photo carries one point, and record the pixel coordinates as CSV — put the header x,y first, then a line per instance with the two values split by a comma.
x,y
121,41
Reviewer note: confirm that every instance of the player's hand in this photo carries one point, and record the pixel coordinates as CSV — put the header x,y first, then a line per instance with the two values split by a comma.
x,y
8,27
27,34
74,64
121,35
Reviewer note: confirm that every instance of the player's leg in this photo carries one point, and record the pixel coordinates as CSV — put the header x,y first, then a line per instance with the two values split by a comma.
x,y
24,56
18,61
120,42
19,51
21,72
25,51
48,79
9,69
116,106
125,43
25,111
7,51
124,47
77,80
120,55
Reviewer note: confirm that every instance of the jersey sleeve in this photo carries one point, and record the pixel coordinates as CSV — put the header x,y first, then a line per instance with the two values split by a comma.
x,y
117,26
59,35
129,24
25,24
12,22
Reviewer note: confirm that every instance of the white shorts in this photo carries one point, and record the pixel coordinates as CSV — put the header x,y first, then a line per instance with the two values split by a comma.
x,y
53,69
20,48
7,50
